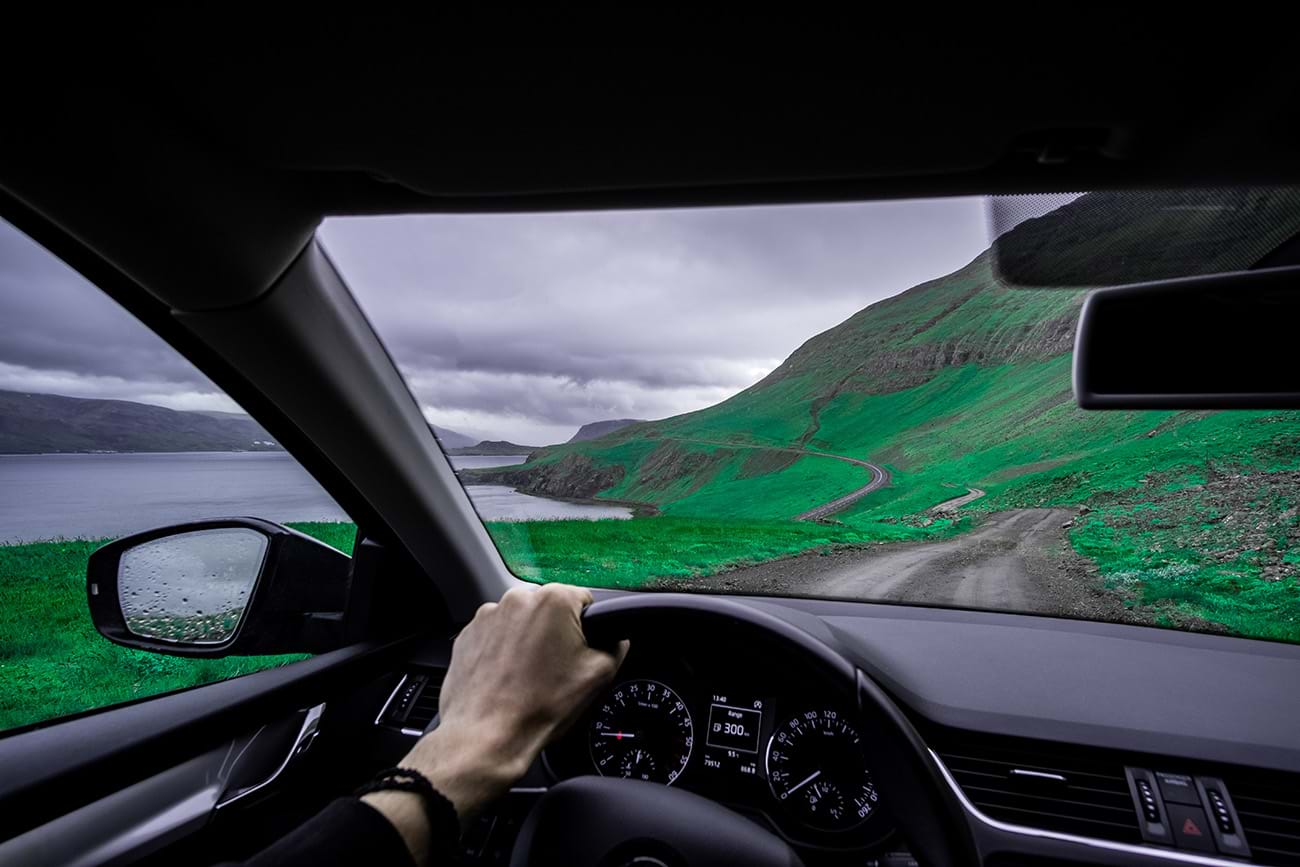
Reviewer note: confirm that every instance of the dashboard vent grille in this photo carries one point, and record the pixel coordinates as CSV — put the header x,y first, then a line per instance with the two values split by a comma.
x,y
1042,785
413,704
1268,805
424,708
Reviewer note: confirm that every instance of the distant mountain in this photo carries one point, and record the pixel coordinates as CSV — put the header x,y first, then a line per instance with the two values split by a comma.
x,y
38,423
451,439
597,429
493,447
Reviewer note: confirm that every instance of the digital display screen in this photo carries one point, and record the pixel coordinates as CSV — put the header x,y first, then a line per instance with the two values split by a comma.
x,y
735,728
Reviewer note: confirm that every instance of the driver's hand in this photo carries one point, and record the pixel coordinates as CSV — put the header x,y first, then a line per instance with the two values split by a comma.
x,y
521,673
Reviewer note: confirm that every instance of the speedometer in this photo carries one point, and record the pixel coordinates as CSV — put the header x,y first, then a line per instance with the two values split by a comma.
x,y
642,731
816,769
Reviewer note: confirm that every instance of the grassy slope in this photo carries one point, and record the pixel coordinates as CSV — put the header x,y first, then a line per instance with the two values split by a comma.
x,y
958,382
54,663
827,397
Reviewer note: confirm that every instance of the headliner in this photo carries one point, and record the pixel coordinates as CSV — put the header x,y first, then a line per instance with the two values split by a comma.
x,y
229,152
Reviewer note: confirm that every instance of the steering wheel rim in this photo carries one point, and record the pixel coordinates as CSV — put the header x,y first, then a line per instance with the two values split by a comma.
x,y
923,807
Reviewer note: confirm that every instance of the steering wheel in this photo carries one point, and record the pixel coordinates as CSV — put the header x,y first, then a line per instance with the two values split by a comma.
x,y
605,822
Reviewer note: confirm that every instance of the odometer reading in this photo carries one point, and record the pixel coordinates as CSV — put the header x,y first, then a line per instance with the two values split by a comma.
x,y
642,731
817,771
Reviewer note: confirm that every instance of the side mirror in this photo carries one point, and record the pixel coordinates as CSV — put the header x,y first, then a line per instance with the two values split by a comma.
x,y
231,586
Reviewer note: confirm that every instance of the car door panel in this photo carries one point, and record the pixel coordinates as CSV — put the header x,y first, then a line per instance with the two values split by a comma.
x,y
52,771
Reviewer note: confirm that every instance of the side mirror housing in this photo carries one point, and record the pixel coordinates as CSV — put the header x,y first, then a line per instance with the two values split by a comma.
x,y
229,586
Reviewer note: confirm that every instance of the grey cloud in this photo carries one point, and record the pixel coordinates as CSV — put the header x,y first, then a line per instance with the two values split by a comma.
x,y
555,400
526,326
670,303
52,319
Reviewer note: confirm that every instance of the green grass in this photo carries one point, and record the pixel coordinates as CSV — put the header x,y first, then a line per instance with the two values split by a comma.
x,y
631,553
1219,545
53,662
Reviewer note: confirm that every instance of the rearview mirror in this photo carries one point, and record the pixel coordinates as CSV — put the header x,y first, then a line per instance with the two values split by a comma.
x,y
217,588
1225,341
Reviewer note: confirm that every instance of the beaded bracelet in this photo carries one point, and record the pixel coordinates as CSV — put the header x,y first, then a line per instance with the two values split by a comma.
x,y
444,824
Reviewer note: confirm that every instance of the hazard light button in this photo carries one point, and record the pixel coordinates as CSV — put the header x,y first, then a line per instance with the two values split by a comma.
x,y
1191,829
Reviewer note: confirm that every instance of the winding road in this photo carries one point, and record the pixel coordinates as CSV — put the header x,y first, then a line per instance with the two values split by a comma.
x,y
948,506
879,475
879,479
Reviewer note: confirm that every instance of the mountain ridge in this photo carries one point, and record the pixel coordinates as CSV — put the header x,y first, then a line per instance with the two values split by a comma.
x,y
451,439
596,429
493,447
37,423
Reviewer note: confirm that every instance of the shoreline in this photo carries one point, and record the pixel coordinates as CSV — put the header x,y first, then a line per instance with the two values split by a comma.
x,y
639,510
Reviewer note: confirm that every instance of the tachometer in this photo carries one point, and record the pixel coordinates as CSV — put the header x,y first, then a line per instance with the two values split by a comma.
x,y
816,769
642,731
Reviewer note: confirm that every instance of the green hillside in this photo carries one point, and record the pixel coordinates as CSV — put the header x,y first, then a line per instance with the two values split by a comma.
x,y
958,383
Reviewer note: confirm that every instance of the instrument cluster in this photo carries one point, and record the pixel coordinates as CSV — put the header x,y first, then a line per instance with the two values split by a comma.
x,y
765,743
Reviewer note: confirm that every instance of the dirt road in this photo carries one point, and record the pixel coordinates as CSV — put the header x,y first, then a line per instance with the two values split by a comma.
x,y
1016,560
949,506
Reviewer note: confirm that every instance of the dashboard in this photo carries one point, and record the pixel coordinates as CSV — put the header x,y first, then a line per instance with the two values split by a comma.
x,y
1060,741
761,738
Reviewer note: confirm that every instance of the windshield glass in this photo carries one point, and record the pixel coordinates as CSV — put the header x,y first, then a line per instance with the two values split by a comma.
x,y
830,400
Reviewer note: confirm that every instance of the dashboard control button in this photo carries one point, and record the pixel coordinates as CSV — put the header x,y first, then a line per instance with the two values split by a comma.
x,y
1178,789
1220,811
1147,800
1151,811
1224,823
1191,830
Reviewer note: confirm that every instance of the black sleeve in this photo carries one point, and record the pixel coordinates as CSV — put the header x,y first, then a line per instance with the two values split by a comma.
x,y
346,833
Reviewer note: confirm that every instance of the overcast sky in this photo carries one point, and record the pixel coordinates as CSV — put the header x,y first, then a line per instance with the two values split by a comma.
x,y
524,327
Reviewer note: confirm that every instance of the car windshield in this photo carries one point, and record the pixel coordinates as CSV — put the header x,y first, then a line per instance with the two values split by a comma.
x,y
838,401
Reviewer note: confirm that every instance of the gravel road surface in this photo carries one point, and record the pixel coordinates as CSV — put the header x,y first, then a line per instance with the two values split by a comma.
x,y
1016,560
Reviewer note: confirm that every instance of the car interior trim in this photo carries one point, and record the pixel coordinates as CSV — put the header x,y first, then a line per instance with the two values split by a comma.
x,y
392,695
976,816
306,734
309,346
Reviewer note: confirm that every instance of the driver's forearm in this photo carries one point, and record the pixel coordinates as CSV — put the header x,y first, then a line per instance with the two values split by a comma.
x,y
470,768
405,812
344,834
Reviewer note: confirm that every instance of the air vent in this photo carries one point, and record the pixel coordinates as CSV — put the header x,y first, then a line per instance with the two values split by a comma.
x,y
1041,785
413,704
425,707
1268,805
